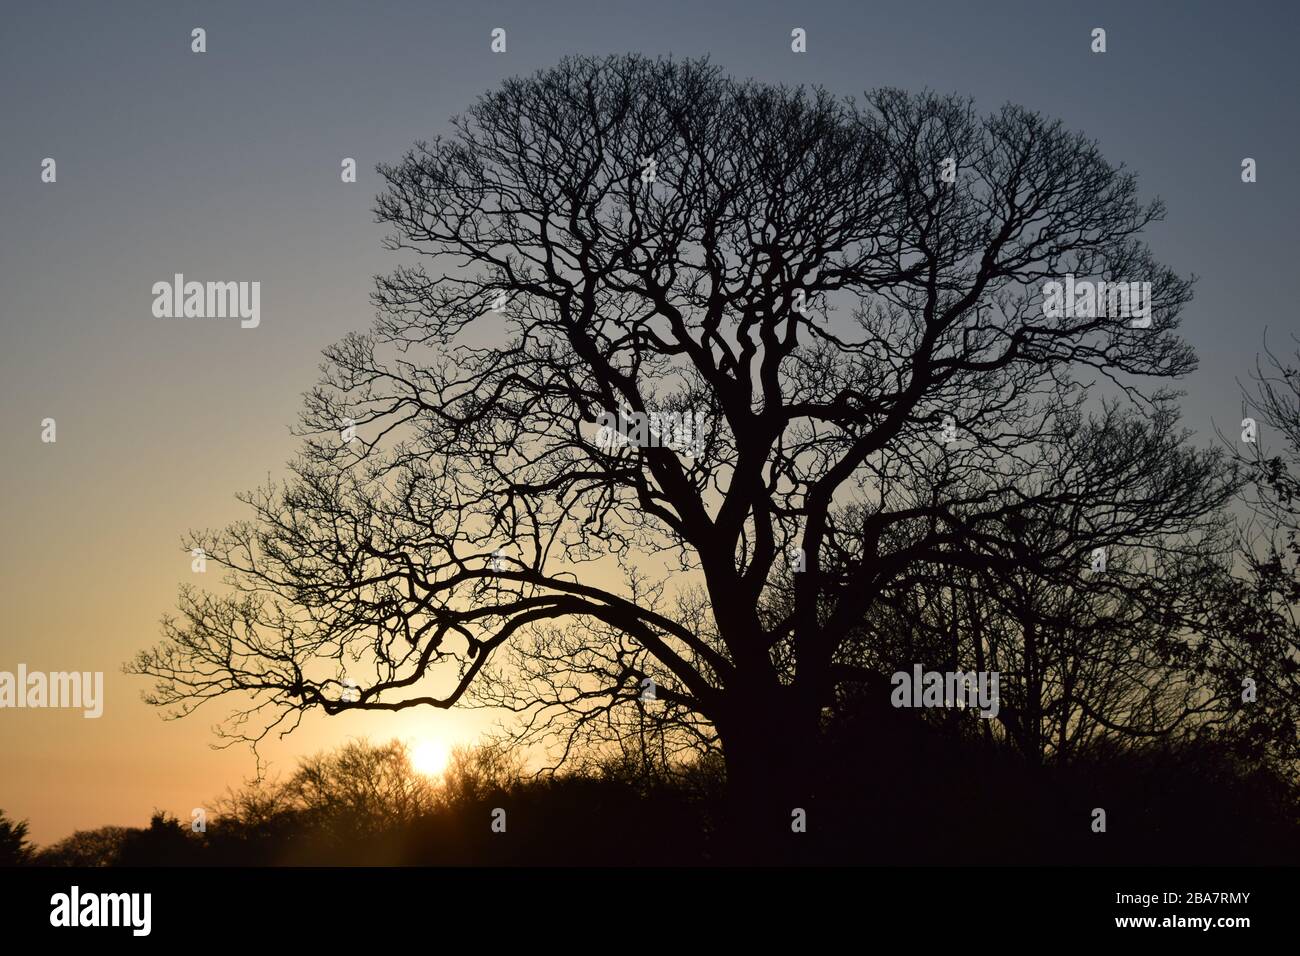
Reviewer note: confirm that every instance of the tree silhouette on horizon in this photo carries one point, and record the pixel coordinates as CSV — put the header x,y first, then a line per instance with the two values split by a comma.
x,y
846,295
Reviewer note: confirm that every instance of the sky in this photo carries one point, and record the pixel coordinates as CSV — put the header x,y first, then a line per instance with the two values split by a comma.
x,y
225,165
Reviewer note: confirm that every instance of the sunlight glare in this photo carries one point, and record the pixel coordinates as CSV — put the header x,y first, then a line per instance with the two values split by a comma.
x,y
429,757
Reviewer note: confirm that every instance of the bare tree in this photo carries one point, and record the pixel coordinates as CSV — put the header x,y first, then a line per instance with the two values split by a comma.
x,y
833,309
1088,662
360,787
1254,627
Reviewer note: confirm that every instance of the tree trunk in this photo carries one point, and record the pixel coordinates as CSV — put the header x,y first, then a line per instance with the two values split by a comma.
x,y
770,745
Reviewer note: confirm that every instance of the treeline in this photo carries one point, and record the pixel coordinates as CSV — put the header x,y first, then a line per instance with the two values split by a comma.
x,y
946,799
364,804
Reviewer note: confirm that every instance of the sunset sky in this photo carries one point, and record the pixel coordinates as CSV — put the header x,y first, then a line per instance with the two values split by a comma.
x,y
225,166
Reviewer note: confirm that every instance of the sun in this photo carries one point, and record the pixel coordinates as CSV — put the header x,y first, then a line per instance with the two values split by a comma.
x,y
429,757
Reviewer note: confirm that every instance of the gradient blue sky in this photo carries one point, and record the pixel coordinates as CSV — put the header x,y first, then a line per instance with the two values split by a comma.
x,y
226,166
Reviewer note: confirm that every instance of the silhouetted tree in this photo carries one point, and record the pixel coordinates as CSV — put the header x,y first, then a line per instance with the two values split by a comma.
x,y
1085,659
99,847
165,842
15,850
849,296
1255,630
359,788
476,774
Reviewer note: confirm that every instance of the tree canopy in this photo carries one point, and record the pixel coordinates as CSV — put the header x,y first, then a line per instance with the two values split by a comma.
x,y
839,304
